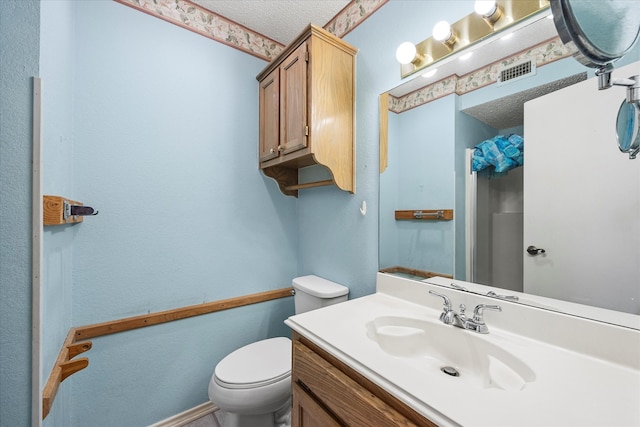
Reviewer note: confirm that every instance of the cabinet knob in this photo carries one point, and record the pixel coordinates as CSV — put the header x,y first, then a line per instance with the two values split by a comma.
x,y
280,147
272,151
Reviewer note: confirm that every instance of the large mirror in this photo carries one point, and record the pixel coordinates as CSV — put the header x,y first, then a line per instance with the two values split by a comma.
x,y
561,231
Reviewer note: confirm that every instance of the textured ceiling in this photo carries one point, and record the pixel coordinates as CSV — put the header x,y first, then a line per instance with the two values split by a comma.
x,y
280,20
508,112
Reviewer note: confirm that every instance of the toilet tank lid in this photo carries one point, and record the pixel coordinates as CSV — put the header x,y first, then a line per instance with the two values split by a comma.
x,y
319,287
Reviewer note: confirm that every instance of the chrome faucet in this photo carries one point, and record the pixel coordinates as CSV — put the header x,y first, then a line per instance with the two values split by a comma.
x,y
477,324
460,320
448,316
504,297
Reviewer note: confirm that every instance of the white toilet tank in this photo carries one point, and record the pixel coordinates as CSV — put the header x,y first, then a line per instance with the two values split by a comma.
x,y
314,292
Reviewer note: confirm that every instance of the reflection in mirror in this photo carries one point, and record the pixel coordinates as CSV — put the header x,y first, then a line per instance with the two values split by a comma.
x,y
585,25
627,128
603,31
435,139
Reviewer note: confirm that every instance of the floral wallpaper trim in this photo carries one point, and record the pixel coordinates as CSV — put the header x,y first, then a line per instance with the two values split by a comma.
x,y
352,15
544,53
204,22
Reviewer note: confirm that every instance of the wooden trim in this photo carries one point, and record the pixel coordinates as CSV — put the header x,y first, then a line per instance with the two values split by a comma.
x,y
65,367
309,185
426,215
129,323
414,272
384,130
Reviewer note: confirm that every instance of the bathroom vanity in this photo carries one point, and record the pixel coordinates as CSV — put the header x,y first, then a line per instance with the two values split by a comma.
x,y
387,360
327,392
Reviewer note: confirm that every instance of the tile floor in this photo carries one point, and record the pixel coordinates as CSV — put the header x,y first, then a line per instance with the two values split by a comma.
x,y
210,420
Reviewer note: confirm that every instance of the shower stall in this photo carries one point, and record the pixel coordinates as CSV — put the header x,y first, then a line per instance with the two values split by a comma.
x,y
494,227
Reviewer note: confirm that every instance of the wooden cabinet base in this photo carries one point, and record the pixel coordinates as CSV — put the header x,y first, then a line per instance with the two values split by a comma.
x,y
328,393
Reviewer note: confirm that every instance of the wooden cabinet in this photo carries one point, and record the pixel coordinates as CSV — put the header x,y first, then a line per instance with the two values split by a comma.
x,y
307,111
326,392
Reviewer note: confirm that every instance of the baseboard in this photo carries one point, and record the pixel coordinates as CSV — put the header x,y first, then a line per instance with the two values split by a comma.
x,y
187,416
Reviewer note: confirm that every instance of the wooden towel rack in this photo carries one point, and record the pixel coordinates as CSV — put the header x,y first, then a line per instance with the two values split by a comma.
x,y
426,214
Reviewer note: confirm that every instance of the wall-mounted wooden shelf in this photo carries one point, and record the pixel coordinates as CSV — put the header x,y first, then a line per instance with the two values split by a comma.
x,y
426,214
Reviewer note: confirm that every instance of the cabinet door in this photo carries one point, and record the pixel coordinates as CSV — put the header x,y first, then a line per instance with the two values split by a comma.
x,y
270,115
342,396
306,412
293,101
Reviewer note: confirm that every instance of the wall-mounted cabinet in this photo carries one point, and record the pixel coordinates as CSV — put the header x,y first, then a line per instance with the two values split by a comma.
x,y
307,103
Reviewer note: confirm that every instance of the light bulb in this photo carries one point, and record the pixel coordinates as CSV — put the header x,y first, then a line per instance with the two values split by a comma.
x,y
485,8
442,31
406,53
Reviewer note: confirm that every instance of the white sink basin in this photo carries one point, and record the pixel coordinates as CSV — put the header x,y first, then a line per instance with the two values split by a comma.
x,y
534,368
438,349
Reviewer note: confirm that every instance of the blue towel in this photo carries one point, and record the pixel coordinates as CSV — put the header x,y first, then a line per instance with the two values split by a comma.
x,y
501,152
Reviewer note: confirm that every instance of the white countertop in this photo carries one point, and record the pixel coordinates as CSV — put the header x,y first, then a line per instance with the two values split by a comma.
x,y
594,380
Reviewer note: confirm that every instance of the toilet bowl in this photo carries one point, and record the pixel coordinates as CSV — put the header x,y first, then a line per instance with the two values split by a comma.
x,y
252,385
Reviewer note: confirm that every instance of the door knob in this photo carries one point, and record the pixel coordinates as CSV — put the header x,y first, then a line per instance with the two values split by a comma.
x,y
535,251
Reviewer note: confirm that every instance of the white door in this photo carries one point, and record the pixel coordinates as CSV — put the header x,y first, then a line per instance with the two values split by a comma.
x,y
582,199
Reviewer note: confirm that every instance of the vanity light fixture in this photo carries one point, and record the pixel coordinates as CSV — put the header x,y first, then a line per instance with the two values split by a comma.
x,y
407,54
443,33
489,18
489,10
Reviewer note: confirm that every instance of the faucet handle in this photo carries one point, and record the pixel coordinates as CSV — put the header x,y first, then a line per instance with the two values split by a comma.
x,y
446,301
463,309
479,311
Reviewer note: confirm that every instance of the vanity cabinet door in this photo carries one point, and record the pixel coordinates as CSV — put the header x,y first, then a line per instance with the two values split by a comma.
x,y
306,412
343,398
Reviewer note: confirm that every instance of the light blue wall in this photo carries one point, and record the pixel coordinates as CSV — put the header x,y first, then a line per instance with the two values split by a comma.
x,y
156,127
335,240
423,144
19,46
56,71
162,133
166,125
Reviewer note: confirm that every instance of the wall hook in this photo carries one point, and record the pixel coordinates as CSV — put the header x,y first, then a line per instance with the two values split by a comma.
x,y
76,210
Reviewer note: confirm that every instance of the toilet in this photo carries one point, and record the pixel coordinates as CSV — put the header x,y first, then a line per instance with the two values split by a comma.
x,y
252,385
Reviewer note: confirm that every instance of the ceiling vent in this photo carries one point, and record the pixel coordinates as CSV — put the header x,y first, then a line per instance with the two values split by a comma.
x,y
513,72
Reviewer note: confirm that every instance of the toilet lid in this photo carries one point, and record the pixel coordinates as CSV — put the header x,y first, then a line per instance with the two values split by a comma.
x,y
255,365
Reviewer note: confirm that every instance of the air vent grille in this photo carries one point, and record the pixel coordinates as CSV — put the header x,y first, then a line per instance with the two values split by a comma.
x,y
516,72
